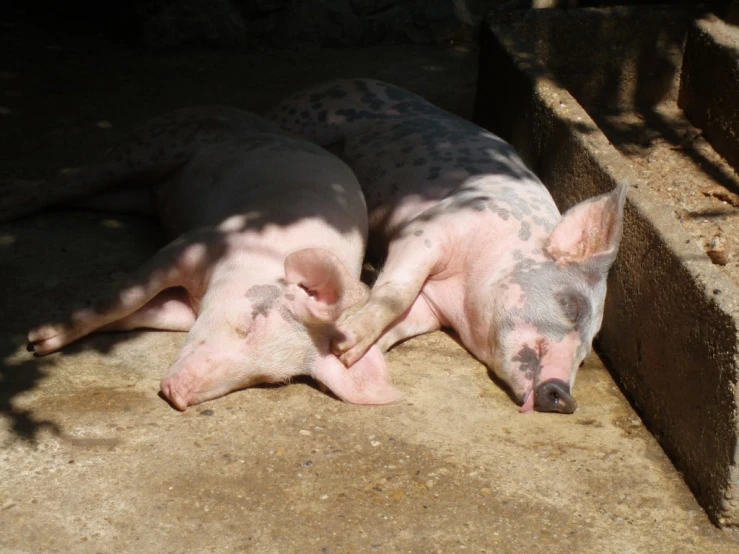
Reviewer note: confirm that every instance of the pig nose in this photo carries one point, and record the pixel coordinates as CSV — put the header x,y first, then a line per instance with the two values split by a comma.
x,y
170,393
554,396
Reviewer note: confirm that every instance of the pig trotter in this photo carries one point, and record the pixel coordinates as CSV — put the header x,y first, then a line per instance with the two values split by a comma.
x,y
554,396
355,337
396,289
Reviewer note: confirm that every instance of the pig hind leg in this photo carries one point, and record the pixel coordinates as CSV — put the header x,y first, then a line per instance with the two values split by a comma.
x,y
170,310
146,157
179,264
19,198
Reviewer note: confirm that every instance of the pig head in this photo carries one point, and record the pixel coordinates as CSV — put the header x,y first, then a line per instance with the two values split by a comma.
x,y
274,332
547,309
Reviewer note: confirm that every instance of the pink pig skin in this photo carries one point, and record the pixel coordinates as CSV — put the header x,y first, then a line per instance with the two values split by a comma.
x,y
271,232
473,239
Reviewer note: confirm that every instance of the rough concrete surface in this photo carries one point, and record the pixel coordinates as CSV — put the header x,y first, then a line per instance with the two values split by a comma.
x,y
670,327
93,460
710,83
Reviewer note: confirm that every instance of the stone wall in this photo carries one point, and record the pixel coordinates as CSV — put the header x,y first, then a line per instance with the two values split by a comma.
x,y
166,24
171,23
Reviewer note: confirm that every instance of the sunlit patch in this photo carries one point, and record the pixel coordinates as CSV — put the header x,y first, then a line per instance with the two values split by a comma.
x,y
238,222
111,223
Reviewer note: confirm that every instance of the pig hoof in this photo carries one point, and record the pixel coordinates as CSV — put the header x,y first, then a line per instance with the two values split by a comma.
x,y
350,348
42,333
44,340
343,350
554,396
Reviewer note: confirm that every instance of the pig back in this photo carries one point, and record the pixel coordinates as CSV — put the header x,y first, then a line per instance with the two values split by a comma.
x,y
268,180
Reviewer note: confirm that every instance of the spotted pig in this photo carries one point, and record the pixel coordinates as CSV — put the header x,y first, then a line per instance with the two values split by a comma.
x,y
270,235
472,238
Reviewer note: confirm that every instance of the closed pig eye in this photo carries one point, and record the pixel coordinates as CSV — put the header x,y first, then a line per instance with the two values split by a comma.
x,y
572,306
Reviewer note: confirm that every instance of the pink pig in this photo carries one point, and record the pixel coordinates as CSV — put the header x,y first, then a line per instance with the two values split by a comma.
x,y
271,234
473,239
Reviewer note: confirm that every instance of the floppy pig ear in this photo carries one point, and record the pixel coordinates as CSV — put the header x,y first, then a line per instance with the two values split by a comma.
x,y
590,230
332,289
366,382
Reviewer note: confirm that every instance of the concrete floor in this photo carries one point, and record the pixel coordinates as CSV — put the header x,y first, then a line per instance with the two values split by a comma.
x,y
93,460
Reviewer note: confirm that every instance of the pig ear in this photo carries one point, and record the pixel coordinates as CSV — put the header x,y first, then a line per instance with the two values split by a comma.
x,y
331,288
590,232
366,382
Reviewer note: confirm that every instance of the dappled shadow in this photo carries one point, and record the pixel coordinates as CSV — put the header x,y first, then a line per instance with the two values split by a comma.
x,y
18,376
49,265
706,214
406,152
623,66
655,129
69,95
219,178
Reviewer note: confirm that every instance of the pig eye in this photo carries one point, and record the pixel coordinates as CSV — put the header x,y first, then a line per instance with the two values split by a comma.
x,y
572,306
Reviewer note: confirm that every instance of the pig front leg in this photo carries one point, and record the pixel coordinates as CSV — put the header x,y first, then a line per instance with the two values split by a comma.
x,y
412,257
136,301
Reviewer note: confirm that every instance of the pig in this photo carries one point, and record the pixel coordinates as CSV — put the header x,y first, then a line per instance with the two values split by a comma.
x,y
472,238
270,235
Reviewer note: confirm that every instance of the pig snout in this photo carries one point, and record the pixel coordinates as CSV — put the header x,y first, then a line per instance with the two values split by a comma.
x,y
541,373
554,396
170,389
186,388
195,382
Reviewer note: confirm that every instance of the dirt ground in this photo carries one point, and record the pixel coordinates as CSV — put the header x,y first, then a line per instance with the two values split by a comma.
x,y
674,159
93,460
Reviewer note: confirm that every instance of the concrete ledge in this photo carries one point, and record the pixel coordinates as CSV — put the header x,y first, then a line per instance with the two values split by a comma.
x,y
670,327
709,89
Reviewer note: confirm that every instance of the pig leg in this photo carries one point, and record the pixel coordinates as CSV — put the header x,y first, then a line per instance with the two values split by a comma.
x,y
146,157
181,263
19,198
419,319
411,259
170,310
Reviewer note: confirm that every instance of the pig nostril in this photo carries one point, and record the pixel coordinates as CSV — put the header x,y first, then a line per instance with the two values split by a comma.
x,y
554,396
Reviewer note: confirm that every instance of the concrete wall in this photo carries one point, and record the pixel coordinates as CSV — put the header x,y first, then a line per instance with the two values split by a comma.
x,y
670,327
709,92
